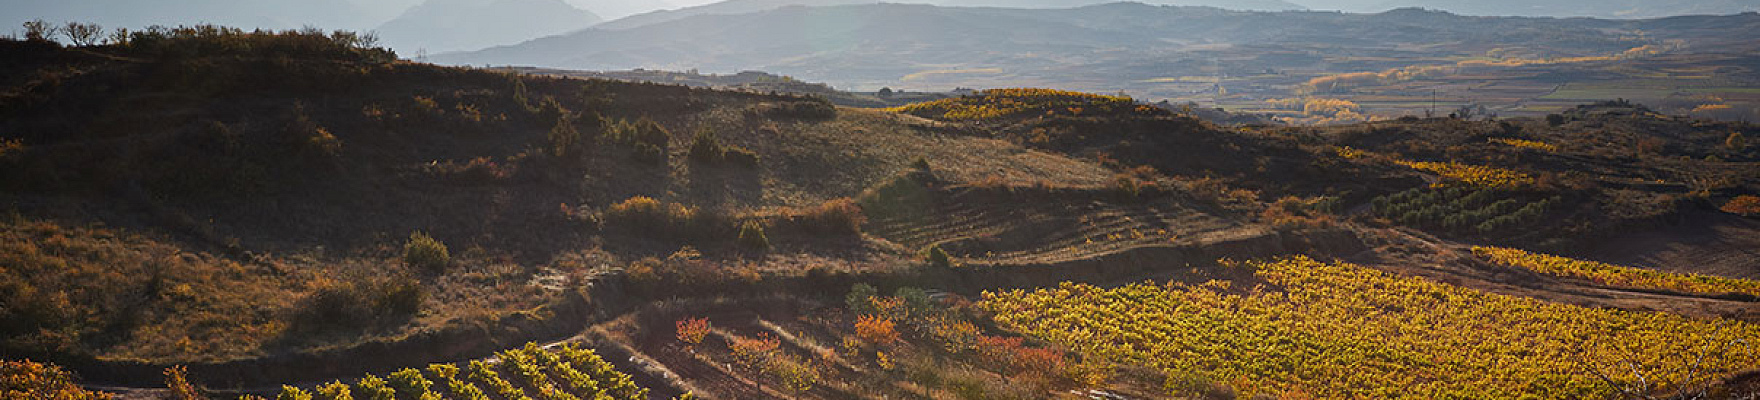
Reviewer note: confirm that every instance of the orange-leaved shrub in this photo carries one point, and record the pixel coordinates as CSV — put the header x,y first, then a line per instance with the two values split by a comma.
x,y
877,330
692,330
1744,205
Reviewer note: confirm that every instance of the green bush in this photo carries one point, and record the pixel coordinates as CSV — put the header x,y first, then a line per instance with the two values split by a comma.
x,y
859,299
740,156
939,258
423,252
706,149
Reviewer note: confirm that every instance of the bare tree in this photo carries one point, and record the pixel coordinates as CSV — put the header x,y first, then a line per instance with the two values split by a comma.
x,y
82,34
39,30
1700,379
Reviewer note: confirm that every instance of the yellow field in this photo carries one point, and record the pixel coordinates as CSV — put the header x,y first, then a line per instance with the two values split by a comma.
x,y
1617,275
1335,330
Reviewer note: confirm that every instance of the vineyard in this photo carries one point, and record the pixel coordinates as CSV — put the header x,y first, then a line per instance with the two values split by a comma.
x,y
1615,275
1462,209
1336,330
1005,103
1473,175
564,372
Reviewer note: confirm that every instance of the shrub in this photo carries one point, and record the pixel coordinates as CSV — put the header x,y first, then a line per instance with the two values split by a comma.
x,y
422,251
740,156
816,109
835,216
860,298
1736,142
30,380
357,303
334,391
906,194
292,393
1748,206
645,214
692,330
939,258
876,330
375,388
1555,119
1127,188
177,381
705,148
409,383
752,236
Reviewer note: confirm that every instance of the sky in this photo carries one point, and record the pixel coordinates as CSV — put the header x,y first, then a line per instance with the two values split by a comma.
x,y
272,14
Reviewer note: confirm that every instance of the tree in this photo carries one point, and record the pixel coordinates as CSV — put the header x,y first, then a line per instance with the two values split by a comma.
x,y
82,34
885,92
38,30
1736,142
1555,119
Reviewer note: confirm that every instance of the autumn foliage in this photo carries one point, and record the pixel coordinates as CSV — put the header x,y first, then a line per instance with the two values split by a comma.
x,y
29,380
1745,205
876,330
692,330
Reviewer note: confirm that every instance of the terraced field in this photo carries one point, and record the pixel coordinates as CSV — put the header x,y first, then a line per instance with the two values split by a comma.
x,y
985,227
564,372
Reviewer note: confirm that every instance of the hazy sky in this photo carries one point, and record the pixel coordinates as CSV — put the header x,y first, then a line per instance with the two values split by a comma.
x,y
274,14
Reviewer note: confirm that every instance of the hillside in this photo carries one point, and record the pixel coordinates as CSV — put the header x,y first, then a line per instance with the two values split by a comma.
x,y
732,7
1384,65
292,214
1624,9
455,25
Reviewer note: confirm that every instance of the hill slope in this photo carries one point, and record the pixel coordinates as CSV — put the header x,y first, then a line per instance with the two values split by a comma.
x,y
1097,48
730,7
453,25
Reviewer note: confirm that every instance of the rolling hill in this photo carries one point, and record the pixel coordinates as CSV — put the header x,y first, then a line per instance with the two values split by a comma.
x,y
1623,9
1098,48
452,25
749,6
235,214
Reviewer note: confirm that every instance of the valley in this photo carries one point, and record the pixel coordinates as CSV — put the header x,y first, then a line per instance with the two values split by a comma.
x,y
214,213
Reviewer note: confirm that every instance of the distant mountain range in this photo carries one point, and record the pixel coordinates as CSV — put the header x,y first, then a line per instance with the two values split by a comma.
x,y
890,44
1625,9
451,25
749,6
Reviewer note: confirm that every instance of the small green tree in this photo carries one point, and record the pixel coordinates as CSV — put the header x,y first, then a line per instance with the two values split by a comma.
x,y
422,251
